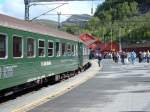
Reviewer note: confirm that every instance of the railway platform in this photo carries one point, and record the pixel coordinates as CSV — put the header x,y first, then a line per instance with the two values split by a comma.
x,y
35,98
116,88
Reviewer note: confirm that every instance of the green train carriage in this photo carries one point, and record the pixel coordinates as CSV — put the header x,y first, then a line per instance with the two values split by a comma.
x,y
31,53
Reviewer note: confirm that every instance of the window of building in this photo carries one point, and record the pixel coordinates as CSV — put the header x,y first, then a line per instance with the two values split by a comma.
x,y
17,46
50,48
57,49
30,47
2,46
63,46
41,47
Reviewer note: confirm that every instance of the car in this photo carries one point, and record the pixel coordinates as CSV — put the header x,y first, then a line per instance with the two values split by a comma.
x,y
32,53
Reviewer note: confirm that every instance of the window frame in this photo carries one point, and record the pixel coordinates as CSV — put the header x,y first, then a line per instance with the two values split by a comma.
x,y
6,45
84,51
63,53
34,48
22,55
72,49
42,47
59,48
76,50
50,48
68,50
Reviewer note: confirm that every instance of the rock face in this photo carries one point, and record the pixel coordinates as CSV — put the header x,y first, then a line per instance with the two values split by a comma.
x,y
77,19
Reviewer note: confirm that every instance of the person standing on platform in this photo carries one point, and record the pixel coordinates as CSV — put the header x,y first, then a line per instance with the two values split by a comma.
x,y
122,57
99,57
116,57
148,56
133,57
140,56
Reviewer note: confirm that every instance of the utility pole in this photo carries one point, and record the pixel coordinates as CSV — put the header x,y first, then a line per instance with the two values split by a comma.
x,y
120,46
59,13
27,5
111,36
92,8
111,39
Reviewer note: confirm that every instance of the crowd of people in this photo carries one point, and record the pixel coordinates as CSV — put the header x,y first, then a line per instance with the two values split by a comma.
x,y
125,57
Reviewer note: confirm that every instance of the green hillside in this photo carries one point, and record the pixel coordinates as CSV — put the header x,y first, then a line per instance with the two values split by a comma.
x,y
125,19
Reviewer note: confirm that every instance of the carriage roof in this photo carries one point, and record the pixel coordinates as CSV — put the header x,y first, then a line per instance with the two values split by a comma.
x,y
14,23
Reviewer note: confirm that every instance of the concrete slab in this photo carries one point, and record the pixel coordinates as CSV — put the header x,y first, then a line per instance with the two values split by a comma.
x,y
117,88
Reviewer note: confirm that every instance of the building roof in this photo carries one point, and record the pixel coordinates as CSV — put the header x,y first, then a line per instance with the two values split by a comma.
x,y
87,39
30,26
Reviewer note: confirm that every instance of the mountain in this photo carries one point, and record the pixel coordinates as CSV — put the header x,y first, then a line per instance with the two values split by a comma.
x,y
48,23
122,9
121,20
77,20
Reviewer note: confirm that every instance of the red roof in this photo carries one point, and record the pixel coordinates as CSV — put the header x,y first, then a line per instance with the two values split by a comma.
x,y
93,43
110,46
88,40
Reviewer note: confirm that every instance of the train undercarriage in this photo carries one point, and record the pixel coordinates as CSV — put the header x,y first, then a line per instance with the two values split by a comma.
x,y
19,90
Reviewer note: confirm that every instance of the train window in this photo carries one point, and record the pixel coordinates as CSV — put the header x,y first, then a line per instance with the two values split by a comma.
x,y
30,47
50,48
2,46
57,49
17,46
63,49
41,47
69,49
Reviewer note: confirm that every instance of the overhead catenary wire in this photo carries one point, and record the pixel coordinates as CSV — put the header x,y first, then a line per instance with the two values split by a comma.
x,y
47,12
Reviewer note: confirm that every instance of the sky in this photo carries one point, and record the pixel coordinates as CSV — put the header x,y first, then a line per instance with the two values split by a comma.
x,y
16,8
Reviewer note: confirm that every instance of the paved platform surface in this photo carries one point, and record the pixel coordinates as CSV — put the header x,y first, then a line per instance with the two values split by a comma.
x,y
35,98
116,88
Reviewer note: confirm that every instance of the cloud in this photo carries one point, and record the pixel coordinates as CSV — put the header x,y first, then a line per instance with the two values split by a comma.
x,y
73,7
16,8
13,8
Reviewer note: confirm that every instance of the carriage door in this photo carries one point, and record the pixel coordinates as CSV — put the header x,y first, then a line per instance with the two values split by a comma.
x,y
80,54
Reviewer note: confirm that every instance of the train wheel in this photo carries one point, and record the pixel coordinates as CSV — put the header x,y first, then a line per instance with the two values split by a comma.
x,y
57,78
1,96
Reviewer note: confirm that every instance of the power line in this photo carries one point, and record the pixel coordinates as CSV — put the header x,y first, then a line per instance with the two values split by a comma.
x,y
47,12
